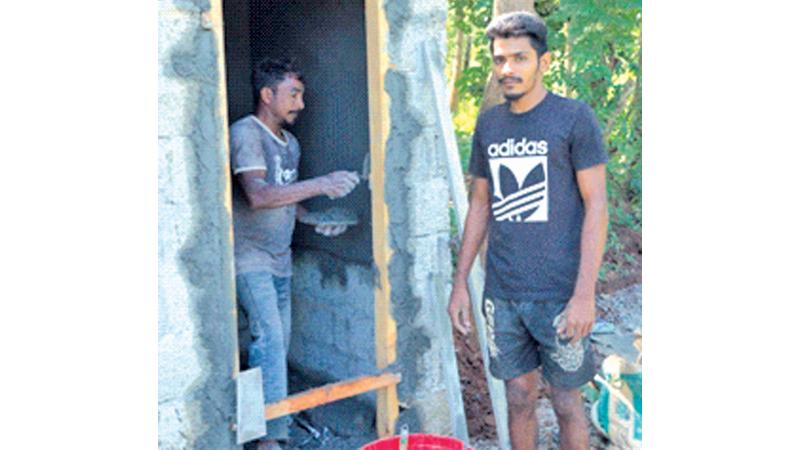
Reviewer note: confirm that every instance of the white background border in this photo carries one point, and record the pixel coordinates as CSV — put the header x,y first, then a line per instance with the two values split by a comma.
x,y
79,331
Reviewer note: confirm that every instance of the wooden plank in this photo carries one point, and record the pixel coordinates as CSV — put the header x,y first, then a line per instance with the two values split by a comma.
x,y
385,327
329,393
458,194
213,19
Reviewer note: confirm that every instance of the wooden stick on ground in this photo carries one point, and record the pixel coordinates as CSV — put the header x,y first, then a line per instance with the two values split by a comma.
x,y
329,393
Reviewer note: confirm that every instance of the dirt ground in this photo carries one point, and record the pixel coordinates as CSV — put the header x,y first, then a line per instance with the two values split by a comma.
x,y
626,262
477,404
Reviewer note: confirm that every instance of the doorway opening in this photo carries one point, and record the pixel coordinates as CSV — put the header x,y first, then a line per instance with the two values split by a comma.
x,y
333,288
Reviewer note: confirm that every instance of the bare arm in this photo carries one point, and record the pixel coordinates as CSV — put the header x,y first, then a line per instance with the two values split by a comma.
x,y
474,228
581,307
592,184
474,234
261,194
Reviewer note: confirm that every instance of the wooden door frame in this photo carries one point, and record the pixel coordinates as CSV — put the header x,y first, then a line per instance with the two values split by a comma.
x,y
387,409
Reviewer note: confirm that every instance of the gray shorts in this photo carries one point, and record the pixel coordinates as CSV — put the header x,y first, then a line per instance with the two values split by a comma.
x,y
522,336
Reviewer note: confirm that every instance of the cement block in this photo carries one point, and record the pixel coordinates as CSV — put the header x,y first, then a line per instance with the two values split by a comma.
x,y
341,332
428,204
171,426
176,100
333,327
434,413
174,211
417,18
427,263
177,368
362,338
175,28
427,158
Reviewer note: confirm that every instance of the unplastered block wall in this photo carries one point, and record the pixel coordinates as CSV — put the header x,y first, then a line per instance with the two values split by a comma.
x,y
196,327
333,336
417,197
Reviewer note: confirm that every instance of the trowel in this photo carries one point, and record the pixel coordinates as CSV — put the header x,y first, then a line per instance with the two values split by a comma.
x,y
250,422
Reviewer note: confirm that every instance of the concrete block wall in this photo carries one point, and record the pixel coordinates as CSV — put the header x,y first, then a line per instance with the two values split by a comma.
x,y
417,197
333,334
196,327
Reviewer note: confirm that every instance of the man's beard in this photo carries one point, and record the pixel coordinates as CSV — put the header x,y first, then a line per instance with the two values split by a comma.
x,y
291,118
513,97
518,95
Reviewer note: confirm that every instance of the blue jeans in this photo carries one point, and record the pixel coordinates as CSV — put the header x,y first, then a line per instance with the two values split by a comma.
x,y
522,337
266,300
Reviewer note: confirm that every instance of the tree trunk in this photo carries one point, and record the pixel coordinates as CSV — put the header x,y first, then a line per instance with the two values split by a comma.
x,y
458,67
492,95
566,60
628,90
636,107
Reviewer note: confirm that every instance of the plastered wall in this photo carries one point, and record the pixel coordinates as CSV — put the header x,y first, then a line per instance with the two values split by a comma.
x,y
196,329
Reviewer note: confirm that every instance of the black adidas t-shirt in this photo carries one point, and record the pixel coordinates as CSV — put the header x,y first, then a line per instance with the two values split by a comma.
x,y
536,215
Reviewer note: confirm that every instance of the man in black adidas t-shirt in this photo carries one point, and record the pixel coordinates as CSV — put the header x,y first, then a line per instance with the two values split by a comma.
x,y
538,191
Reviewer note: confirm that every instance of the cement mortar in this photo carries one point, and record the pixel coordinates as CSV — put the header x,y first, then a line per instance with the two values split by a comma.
x,y
196,322
417,196
411,342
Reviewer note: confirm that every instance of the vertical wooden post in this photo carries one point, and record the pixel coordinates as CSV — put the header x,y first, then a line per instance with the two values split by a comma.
x,y
213,19
385,327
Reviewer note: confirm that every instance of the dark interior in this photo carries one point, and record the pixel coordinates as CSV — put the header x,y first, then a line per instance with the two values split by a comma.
x,y
327,40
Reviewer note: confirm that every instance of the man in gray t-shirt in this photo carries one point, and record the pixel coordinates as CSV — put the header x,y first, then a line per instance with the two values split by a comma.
x,y
254,147
538,194
264,161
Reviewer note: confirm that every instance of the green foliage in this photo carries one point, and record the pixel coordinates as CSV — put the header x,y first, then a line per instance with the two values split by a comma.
x,y
471,18
596,49
464,141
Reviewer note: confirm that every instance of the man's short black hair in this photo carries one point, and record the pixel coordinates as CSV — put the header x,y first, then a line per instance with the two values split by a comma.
x,y
516,24
270,72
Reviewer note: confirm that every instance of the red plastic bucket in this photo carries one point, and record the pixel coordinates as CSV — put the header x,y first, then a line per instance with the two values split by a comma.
x,y
418,441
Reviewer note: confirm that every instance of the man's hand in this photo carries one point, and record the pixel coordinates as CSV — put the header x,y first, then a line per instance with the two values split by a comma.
x,y
338,184
459,308
330,230
577,319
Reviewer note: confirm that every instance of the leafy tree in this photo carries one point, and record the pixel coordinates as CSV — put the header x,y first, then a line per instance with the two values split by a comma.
x,y
597,54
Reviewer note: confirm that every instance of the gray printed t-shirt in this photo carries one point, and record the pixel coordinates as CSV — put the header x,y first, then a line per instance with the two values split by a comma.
x,y
262,237
537,211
